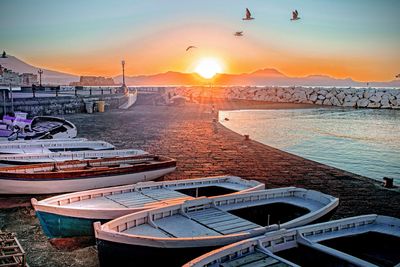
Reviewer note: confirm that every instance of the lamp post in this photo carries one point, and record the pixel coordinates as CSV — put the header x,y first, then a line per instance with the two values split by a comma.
x,y
40,71
124,89
12,100
123,72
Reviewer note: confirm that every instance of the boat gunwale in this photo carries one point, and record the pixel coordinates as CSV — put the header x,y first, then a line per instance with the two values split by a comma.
x,y
107,232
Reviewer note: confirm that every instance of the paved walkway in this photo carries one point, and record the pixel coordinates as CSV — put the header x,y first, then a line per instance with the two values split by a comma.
x,y
205,148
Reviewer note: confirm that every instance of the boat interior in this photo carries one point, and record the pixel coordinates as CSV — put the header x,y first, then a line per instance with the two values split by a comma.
x,y
275,213
207,191
218,216
149,193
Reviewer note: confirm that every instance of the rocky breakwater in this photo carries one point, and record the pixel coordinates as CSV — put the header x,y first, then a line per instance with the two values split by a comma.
x,y
342,97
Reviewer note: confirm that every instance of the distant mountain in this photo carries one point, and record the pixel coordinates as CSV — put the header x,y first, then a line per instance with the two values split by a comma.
x,y
48,76
268,77
167,78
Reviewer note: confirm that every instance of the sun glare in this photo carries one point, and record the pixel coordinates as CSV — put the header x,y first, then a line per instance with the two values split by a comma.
x,y
208,67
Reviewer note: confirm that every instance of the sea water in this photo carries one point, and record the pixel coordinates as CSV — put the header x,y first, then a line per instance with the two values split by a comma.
x,y
362,141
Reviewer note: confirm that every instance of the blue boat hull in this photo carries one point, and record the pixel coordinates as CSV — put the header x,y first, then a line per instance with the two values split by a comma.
x,y
59,226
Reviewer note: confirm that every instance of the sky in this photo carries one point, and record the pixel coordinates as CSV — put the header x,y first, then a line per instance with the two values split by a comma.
x,y
341,38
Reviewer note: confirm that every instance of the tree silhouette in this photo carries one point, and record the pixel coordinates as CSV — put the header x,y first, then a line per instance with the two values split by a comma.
x,y
4,55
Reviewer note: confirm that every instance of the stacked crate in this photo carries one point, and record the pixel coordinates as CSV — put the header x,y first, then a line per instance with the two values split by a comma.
x,y
11,252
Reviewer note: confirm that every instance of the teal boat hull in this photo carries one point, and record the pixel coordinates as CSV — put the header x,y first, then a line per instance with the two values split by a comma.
x,y
59,226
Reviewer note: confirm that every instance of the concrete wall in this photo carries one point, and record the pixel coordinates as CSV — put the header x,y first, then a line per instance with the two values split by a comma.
x,y
342,97
61,105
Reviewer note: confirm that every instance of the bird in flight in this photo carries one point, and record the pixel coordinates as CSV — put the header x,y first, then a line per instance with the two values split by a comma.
x,y
398,76
248,15
295,15
238,33
190,47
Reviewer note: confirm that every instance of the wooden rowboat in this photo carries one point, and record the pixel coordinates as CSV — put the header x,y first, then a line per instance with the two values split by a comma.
x,y
369,240
189,229
34,158
46,146
76,175
40,127
72,215
41,141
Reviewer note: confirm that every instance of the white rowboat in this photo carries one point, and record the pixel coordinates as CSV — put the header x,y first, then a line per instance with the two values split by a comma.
x,y
191,228
55,145
345,242
72,215
77,175
33,158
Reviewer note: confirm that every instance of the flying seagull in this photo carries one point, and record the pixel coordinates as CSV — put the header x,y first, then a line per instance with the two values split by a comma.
x,y
190,47
248,15
295,15
238,33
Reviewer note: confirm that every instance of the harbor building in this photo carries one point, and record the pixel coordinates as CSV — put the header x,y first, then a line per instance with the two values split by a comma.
x,y
93,80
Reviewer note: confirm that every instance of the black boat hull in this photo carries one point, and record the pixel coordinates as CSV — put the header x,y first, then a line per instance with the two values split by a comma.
x,y
118,254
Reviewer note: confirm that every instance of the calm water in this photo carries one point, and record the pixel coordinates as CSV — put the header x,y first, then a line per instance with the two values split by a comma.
x,y
366,141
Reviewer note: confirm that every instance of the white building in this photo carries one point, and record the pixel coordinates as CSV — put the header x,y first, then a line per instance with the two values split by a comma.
x,y
9,77
27,79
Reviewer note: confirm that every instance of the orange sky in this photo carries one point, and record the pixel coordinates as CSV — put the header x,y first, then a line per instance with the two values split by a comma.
x,y
357,39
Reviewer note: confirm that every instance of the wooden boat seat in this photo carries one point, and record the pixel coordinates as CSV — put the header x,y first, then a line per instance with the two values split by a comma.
x,y
146,229
97,202
232,186
180,226
258,259
221,221
162,193
131,200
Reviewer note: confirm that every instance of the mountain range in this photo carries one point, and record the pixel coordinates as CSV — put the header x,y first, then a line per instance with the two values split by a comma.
x,y
48,76
268,76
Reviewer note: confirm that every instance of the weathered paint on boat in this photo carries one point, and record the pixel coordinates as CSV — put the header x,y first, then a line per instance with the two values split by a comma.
x,y
58,226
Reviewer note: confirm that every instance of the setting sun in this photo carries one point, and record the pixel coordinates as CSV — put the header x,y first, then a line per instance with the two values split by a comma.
x,y
208,67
